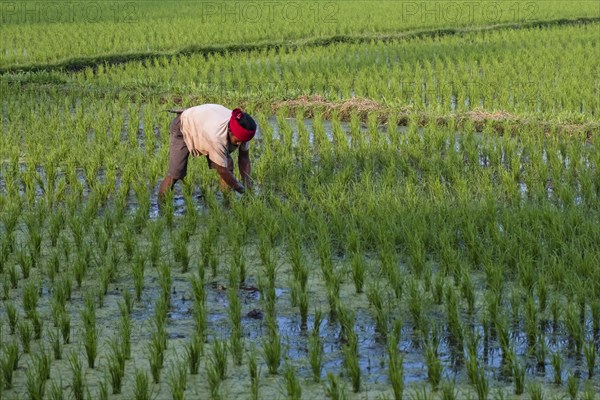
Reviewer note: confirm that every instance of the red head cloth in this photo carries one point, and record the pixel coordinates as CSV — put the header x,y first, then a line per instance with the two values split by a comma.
x,y
239,131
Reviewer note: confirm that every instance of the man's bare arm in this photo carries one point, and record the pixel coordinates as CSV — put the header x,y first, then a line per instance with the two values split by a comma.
x,y
244,167
229,179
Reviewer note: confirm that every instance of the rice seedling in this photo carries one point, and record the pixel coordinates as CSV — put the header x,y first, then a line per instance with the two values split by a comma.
x,y
315,348
421,394
358,271
90,330
35,385
236,341
271,346
25,335
65,327
218,358
9,363
13,276
156,356
54,336
12,315
6,286
177,380
334,388
572,386
350,348
518,372
589,392
56,391
141,389
535,391
193,351
448,391
77,382
395,365
180,251
292,384
557,366
116,365
214,380
434,364
589,352
254,373
137,270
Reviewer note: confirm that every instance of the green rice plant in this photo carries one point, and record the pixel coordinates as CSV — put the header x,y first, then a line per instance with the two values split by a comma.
x,y
116,365
303,305
79,268
454,323
541,352
572,386
292,384
555,309
518,374
448,390
350,352
421,394
12,315
535,391
102,393
90,330
141,389
155,232
165,281
416,302
56,343
56,391
177,381
531,323
589,352
38,325
30,298
193,352
156,356
41,364
557,366
180,252
13,275
35,384
359,269
589,392
77,383
434,364
25,262
254,373
271,346
137,270
25,335
315,348
381,318
9,363
595,311
236,340
218,358
468,292
65,327
395,365
334,389
574,329
214,379
6,286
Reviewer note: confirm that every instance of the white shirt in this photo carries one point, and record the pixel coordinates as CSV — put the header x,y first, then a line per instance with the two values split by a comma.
x,y
205,132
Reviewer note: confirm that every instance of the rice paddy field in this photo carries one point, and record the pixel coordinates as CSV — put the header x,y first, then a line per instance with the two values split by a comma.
x,y
424,221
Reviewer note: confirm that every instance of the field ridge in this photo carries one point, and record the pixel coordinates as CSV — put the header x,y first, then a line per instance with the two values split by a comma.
x,y
75,64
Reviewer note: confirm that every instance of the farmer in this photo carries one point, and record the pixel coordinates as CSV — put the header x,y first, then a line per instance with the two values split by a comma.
x,y
213,131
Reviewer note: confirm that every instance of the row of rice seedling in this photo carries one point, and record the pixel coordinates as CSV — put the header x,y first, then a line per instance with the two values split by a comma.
x,y
441,76
29,31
